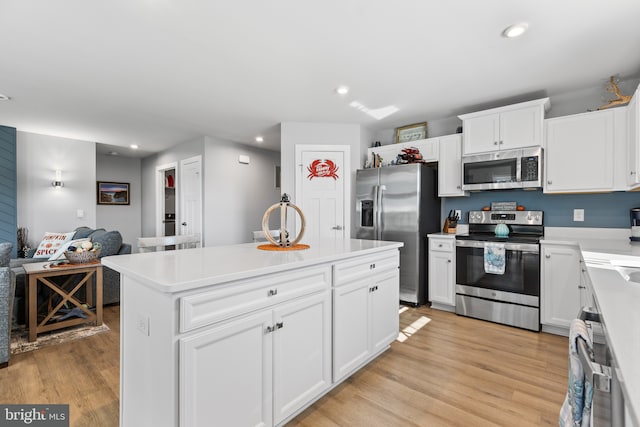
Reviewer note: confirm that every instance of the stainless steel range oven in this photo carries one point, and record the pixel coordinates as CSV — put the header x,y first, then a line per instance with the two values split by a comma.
x,y
509,294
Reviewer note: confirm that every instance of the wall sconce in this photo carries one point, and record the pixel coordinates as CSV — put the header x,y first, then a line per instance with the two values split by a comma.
x,y
57,183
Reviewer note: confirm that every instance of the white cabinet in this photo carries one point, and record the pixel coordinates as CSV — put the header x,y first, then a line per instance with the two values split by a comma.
x,y
633,152
258,369
227,371
442,277
579,152
233,336
562,288
504,128
586,152
450,167
301,353
366,297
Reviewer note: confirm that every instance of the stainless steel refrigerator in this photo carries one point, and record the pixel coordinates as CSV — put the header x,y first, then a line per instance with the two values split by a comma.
x,y
400,203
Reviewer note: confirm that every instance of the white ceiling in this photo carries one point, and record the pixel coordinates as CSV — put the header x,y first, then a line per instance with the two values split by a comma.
x,y
159,72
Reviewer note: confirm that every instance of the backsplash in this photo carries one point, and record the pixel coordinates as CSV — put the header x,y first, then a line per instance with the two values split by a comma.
x,y
607,210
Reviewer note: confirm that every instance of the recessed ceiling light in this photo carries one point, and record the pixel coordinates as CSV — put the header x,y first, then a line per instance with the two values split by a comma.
x,y
4,97
342,90
259,139
515,30
134,146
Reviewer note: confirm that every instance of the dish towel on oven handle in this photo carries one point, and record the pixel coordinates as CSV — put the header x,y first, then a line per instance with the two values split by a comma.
x,y
494,257
576,409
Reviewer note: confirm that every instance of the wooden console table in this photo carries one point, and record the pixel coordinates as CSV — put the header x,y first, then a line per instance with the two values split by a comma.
x,y
42,272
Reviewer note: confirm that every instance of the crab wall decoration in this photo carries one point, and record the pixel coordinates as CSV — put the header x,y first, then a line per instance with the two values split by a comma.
x,y
322,168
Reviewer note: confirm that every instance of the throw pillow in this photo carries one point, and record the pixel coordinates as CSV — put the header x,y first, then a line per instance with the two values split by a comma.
x,y
51,242
5,253
110,241
82,232
60,252
96,233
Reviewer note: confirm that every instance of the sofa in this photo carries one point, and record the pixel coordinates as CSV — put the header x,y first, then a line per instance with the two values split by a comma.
x,y
112,244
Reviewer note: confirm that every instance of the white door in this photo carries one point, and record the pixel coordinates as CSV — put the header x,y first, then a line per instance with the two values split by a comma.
x,y
559,289
190,218
301,353
384,320
351,327
226,374
323,189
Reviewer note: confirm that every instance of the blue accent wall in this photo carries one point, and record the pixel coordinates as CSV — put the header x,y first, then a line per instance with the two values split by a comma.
x,y
607,210
8,187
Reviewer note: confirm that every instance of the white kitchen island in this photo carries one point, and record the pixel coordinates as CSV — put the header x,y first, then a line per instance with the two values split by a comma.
x,y
237,336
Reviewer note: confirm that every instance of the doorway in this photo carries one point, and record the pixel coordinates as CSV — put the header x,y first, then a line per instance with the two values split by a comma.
x,y
169,202
167,194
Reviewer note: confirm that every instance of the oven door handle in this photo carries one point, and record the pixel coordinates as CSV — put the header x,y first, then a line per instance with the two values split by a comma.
x,y
520,247
595,373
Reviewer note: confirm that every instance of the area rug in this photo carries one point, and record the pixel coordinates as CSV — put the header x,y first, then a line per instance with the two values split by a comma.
x,y
20,337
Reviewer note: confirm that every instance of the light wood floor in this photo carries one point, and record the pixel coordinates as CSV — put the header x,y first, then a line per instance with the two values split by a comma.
x,y
453,371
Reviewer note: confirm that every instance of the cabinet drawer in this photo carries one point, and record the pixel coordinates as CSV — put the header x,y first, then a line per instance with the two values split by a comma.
x,y
240,297
442,245
344,272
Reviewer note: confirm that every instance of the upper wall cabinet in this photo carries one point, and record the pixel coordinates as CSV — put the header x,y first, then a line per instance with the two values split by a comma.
x,y
585,152
633,147
450,167
504,128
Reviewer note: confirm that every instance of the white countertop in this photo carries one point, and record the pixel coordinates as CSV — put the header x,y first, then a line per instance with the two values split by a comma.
x,y
619,303
176,271
617,299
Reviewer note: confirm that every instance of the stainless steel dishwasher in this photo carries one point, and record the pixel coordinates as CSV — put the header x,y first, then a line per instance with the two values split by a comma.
x,y
600,370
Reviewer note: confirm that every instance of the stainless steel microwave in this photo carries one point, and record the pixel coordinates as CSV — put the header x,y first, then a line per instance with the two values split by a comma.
x,y
506,169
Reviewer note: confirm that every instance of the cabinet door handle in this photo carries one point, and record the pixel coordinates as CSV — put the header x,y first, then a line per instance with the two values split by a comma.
x,y
547,256
501,142
495,142
632,173
458,187
549,182
582,287
279,325
372,266
448,260
270,329
439,245
272,292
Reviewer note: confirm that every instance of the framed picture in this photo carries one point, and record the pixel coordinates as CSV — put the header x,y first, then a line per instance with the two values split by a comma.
x,y
412,132
113,193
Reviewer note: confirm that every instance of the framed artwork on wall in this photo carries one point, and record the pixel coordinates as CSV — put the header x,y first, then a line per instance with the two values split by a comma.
x,y
113,193
412,132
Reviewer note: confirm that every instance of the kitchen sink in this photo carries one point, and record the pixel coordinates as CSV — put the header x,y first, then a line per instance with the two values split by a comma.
x,y
630,274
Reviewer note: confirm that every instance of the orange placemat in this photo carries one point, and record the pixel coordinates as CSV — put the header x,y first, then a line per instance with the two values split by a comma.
x,y
272,247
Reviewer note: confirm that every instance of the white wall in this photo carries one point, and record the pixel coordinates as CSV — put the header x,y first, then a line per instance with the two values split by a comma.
x,y
237,195
127,219
174,154
41,207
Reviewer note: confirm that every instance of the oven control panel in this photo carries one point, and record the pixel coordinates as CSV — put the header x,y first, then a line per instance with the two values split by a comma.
x,y
506,217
